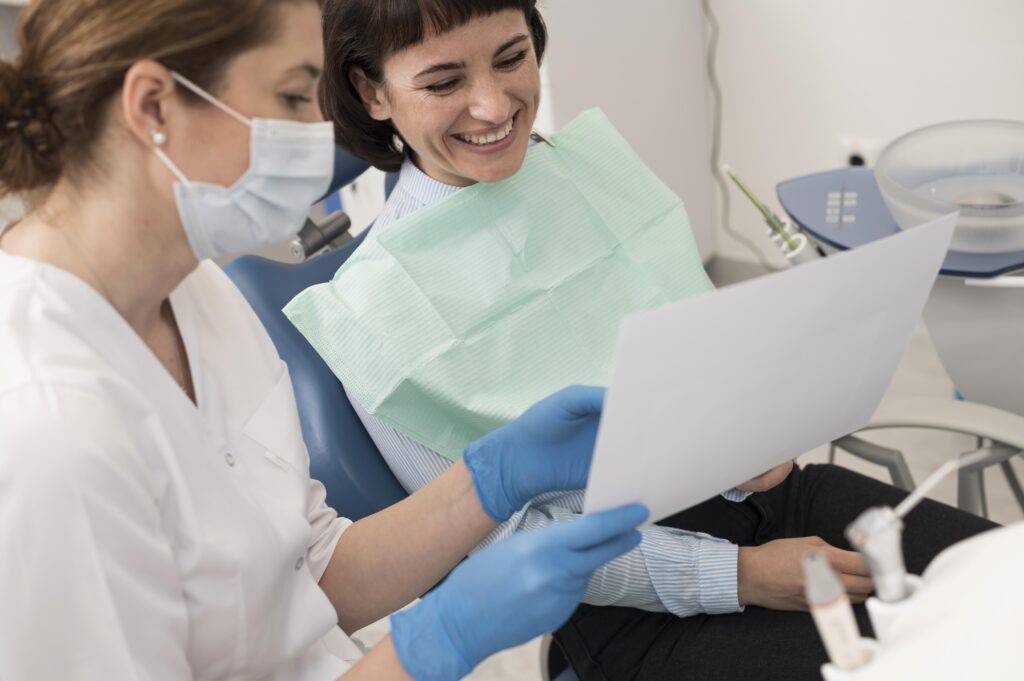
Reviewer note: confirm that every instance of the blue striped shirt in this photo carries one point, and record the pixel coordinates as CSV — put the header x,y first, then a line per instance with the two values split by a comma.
x,y
672,570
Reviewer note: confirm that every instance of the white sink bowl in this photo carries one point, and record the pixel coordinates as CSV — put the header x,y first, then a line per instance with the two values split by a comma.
x,y
974,167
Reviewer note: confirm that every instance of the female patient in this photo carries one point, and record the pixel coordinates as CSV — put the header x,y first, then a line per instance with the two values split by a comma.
x,y
445,92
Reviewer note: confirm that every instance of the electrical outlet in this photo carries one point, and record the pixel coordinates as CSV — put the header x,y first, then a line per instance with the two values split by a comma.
x,y
858,150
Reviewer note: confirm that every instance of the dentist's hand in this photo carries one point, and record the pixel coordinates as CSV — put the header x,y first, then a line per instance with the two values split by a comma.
x,y
548,448
507,594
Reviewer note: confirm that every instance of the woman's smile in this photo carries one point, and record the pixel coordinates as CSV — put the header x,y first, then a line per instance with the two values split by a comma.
x,y
490,141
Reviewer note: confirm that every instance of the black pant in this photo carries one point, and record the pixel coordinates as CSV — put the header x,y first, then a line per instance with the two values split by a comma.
x,y
616,644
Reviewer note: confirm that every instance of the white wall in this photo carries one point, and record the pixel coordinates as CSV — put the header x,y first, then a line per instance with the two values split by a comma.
x,y
10,208
8,16
364,199
799,75
642,62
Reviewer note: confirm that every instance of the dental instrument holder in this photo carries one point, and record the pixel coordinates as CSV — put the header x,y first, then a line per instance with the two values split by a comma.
x,y
797,248
830,672
878,534
883,613
803,251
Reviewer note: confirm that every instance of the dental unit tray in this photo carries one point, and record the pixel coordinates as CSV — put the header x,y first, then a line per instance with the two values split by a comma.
x,y
843,209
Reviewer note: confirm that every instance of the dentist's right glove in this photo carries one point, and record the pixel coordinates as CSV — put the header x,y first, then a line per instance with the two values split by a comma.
x,y
509,593
548,448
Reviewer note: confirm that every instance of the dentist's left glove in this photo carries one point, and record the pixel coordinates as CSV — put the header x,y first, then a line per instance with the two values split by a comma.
x,y
509,593
548,448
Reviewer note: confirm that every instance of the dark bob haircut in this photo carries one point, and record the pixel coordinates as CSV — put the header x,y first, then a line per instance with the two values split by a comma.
x,y
364,33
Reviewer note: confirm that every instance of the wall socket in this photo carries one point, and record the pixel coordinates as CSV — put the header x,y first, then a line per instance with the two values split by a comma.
x,y
858,151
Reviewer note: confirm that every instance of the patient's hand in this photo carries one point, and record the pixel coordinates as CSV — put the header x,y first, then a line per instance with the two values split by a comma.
x,y
771,575
768,479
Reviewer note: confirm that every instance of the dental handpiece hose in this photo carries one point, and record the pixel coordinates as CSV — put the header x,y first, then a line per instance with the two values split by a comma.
x,y
878,534
951,466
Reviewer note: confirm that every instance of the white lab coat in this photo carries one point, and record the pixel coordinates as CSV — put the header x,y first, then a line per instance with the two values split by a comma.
x,y
142,537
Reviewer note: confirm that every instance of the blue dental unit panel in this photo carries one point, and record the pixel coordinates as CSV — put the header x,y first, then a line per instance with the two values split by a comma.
x,y
844,209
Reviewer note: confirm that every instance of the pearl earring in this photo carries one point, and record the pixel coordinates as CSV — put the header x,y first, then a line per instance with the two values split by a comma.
x,y
159,138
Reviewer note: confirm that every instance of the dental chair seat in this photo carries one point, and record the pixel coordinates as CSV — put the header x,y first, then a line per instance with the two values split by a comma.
x,y
342,456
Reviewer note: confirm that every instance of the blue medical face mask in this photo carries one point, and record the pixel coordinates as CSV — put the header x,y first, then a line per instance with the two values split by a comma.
x,y
291,166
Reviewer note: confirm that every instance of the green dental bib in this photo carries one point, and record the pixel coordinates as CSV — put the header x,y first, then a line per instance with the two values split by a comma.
x,y
453,320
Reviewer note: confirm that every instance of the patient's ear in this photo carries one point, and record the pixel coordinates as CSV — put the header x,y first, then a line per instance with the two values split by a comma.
x,y
371,94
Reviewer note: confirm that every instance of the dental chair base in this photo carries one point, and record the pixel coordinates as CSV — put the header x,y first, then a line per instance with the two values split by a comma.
x,y
1001,430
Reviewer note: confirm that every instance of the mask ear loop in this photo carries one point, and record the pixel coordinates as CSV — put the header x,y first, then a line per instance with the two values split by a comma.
x,y
203,94
159,140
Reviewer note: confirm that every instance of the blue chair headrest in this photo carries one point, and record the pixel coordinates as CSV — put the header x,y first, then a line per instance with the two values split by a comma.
x,y
346,169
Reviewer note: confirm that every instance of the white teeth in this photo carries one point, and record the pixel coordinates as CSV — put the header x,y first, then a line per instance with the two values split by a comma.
x,y
492,137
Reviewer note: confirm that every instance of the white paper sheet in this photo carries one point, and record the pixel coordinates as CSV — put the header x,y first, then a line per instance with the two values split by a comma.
x,y
711,391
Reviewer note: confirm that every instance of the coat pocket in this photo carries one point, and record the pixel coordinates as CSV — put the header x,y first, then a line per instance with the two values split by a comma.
x,y
275,426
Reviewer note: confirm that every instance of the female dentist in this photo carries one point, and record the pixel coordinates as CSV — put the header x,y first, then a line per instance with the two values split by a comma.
x,y
157,519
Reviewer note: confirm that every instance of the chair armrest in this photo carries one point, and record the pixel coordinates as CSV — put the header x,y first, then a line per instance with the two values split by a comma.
x,y
965,417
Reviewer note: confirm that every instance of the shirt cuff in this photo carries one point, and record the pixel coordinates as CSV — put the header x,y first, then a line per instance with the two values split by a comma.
x,y
735,495
320,552
692,572
716,572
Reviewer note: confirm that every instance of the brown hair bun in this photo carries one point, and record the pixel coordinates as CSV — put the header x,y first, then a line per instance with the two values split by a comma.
x,y
30,143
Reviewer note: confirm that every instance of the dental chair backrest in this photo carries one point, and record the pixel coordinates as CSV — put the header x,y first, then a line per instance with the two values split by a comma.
x,y
342,455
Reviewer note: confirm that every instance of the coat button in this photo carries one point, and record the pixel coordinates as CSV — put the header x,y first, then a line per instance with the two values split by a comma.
x,y
230,458
299,563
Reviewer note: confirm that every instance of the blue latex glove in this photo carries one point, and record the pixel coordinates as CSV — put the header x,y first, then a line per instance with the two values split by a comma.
x,y
508,594
548,448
